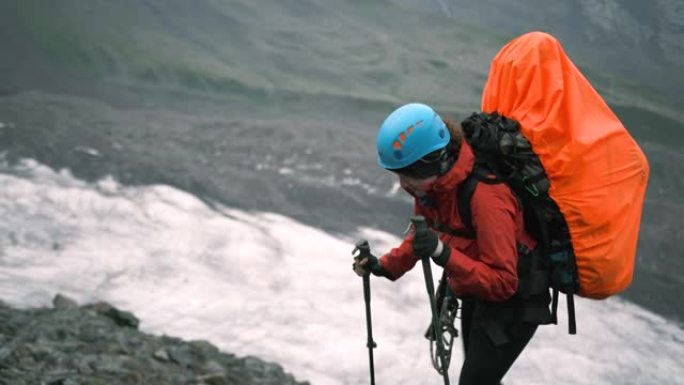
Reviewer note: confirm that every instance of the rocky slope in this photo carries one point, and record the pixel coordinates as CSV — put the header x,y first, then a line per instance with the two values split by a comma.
x,y
99,344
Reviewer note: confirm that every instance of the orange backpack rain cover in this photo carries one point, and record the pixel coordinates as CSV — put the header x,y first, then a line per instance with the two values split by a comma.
x,y
597,171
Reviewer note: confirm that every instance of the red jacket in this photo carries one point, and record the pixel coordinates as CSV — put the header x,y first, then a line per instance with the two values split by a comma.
x,y
485,267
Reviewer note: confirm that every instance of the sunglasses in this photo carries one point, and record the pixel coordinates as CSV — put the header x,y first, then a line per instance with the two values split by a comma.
x,y
428,166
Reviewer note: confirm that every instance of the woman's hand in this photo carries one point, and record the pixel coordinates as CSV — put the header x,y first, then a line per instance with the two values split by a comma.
x,y
366,265
427,244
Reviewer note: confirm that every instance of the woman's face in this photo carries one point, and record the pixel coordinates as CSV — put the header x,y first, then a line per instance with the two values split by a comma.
x,y
415,186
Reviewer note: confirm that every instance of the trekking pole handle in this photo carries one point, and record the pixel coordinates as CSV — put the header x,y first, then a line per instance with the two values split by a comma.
x,y
362,247
419,222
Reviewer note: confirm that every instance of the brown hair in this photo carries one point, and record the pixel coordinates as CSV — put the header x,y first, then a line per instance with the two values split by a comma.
x,y
456,133
455,130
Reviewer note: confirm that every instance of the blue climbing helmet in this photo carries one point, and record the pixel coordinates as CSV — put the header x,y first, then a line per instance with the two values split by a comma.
x,y
408,134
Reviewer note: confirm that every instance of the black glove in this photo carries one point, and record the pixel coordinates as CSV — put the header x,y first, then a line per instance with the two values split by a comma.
x,y
373,266
427,244
369,267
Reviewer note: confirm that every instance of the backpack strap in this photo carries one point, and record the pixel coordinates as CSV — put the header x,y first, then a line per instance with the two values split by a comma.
x,y
464,194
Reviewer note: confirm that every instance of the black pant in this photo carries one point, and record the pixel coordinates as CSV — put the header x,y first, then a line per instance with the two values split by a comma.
x,y
493,335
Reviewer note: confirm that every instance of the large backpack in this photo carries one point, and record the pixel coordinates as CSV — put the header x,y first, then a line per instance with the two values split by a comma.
x,y
579,174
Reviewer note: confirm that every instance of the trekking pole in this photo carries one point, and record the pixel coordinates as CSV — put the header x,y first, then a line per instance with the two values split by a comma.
x,y
364,252
418,224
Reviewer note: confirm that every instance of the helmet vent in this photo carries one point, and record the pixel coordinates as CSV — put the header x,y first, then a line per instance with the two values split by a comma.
x,y
401,139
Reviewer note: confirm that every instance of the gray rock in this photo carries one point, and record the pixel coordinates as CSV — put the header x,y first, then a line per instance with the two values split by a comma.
x,y
183,355
162,355
63,302
212,367
213,379
83,346
122,318
205,347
